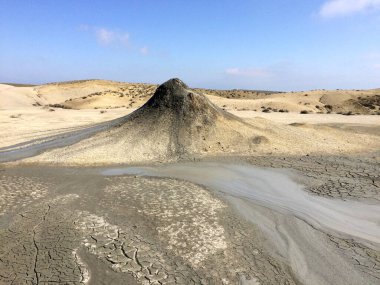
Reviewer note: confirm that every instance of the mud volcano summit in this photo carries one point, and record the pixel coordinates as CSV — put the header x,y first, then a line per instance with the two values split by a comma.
x,y
175,123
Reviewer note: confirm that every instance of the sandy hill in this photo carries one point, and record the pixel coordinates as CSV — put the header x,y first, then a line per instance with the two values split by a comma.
x,y
90,94
12,97
336,101
108,94
348,102
19,84
83,94
177,123
105,94
236,93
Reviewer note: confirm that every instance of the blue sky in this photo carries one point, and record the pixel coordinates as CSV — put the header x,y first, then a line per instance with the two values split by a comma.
x,y
252,44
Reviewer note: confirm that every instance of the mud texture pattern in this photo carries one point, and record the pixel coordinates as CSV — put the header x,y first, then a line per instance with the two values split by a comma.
x,y
85,228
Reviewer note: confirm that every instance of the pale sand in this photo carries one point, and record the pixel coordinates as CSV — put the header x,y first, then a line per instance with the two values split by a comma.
x,y
20,125
290,118
312,101
16,97
63,92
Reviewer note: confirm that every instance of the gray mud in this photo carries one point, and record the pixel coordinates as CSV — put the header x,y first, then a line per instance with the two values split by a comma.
x,y
293,219
77,226
275,190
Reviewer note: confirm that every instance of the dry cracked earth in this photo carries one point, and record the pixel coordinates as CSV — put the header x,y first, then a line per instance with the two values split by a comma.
x,y
74,226
69,226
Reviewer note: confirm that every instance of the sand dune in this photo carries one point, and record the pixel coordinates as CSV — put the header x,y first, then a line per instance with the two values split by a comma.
x,y
92,94
317,101
17,97
105,94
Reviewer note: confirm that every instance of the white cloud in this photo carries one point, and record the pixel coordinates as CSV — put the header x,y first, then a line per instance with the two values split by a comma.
x,y
104,36
335,8
107,37
113,38
248,72
144,50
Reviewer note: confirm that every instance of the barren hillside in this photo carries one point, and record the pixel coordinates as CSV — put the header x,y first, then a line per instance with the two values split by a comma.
x,y
177,123
104,94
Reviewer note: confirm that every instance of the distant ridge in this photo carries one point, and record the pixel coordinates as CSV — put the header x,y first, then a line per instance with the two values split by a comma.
x,y
20,84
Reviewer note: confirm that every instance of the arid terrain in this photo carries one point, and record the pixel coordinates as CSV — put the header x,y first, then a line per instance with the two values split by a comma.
x,y
106,182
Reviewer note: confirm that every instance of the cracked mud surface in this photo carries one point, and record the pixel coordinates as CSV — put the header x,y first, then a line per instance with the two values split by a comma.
x,y
333,176
18,191
38,247
134,229
364,258
73,226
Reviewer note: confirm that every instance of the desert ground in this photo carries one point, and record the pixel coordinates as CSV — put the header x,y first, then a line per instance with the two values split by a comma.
x,y
106,182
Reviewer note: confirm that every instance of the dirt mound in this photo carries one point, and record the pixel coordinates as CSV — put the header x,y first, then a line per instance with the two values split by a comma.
x,y
175,123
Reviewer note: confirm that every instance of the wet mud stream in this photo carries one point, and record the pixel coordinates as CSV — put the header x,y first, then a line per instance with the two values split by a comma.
x,y
296,223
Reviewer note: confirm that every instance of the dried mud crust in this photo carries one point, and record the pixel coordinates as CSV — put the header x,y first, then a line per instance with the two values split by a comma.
x,y
19,191
332,176
153,230
366,259
174,232
148,231
40,247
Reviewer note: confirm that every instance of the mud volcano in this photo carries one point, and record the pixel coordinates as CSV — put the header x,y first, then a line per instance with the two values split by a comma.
x,y
175,123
